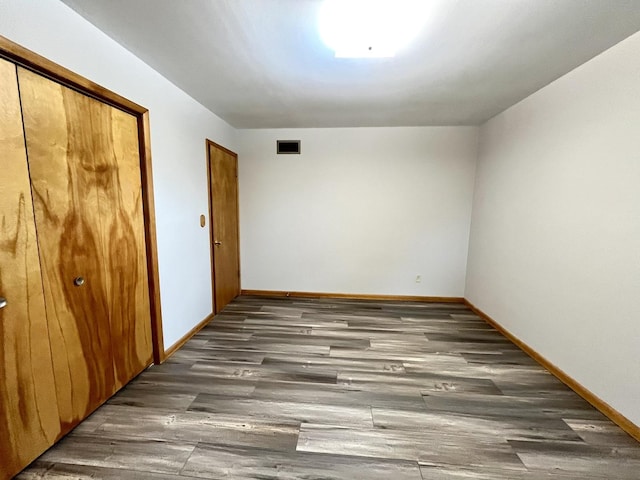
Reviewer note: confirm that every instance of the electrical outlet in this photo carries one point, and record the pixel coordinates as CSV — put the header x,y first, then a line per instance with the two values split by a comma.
x,y
418,278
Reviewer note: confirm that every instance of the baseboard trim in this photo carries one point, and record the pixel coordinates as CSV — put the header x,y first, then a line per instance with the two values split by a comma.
x,y
176,346
604,408
352,296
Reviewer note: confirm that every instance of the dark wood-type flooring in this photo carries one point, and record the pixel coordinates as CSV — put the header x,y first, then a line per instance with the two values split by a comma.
x,y
283,388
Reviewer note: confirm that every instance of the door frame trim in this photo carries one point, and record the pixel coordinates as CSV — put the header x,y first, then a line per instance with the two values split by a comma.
x,y
32,61
208,145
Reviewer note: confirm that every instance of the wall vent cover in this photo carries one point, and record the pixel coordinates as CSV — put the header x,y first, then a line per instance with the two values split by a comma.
x,y
287,146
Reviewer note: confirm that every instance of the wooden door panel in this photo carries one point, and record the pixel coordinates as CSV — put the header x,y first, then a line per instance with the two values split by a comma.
x,y
224,204
29,421
120,202
63,129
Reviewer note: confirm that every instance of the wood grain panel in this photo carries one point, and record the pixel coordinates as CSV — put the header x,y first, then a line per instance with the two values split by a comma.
x,y
28,407
63,128
117,159
223,171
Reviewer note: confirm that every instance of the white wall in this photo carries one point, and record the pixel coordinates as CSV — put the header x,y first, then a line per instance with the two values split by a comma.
x,y
555,239
179,126
361,210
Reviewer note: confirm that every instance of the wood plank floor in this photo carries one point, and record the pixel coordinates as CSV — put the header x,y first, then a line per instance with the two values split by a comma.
x,y
281,388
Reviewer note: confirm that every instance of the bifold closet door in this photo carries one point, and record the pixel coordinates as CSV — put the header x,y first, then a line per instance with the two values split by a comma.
x,y
29,421
85,176
64,179
120,202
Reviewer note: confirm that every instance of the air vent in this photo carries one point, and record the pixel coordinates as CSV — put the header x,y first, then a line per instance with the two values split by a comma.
x,y
288,146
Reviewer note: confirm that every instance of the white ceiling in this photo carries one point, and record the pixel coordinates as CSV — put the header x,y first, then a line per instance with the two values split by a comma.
x,y
261,63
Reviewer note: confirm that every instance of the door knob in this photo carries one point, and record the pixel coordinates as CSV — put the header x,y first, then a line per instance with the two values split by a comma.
x,y
217,243
3,302
78,281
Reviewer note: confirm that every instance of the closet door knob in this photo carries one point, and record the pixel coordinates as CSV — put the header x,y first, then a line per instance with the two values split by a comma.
x,y
3,302
78,281
217,243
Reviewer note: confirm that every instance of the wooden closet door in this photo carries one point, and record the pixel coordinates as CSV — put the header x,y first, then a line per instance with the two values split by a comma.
x,y
29,421
98,148
120,201
63,130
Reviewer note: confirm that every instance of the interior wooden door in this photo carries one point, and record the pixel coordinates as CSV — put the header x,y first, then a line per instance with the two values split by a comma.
x,y
29,421
223,185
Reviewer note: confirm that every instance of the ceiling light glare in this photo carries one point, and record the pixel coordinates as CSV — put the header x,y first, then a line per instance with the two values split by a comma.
x,y
370,28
